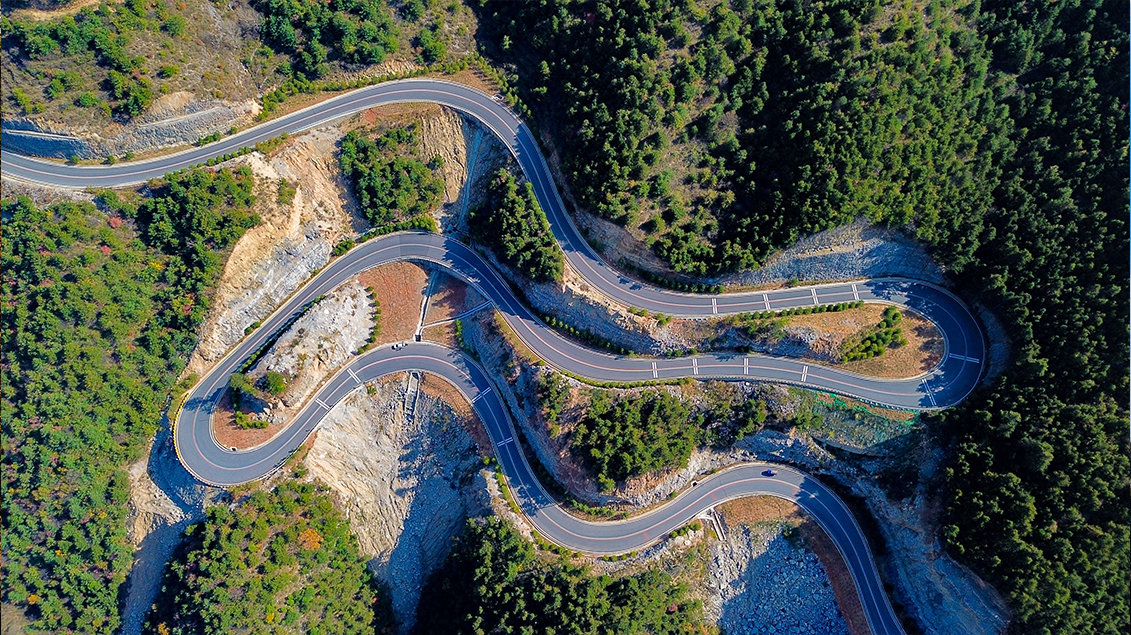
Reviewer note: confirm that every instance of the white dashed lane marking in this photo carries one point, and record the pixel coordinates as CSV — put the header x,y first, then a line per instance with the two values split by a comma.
x,y
930,395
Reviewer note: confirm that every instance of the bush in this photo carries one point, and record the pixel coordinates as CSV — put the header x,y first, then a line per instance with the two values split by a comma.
x,y
492,582
275,383
633,436
874,341
284,557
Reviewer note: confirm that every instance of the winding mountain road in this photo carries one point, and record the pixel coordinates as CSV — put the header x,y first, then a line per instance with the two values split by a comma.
x,y
945,385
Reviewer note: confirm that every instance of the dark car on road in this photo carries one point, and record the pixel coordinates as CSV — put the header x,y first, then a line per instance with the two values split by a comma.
x,y
769,473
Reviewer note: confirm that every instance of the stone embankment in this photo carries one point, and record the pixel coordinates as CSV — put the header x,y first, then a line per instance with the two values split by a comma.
x,y
763,583
856,250
317,344
406,473
162,128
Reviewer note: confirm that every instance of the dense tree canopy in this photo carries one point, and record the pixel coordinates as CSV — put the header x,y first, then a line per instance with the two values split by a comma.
x,y
727,133
996,132
1039,478
494,583
280,562
355,31
97,321
513,223
389,178
631,436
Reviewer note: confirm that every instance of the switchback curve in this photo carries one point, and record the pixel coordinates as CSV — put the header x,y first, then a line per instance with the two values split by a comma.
x,y
944,385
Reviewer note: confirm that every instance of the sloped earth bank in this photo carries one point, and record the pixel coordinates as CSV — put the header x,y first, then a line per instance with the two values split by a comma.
x,y
164,500
295,239
819,337
270,261
406,473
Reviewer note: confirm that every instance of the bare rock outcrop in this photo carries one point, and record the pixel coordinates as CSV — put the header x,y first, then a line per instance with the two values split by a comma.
x,y
761,582
317,344
406,474
294,240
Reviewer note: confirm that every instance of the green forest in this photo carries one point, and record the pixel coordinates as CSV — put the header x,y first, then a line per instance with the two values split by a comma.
x,y
512,223
354,31
389,177
628,437
98,314
996,132
621,436
716,131
738,125
495,582
282,561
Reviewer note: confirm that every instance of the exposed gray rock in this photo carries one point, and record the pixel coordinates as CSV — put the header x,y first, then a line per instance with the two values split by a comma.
x,y
857,250
760,583
187,125
406,475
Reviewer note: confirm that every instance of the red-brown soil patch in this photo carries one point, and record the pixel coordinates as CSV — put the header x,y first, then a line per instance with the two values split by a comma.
x,y
924,348
230,435
441,334
449,299
400,289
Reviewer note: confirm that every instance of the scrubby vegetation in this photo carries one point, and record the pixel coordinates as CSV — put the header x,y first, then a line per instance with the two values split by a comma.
x,y
493,582
588,337
389,177
281,561
770,325
102,34
513,223
97,321
552,394
875,340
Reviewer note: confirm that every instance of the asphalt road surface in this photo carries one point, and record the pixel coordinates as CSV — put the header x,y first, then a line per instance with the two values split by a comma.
x,y
947,384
